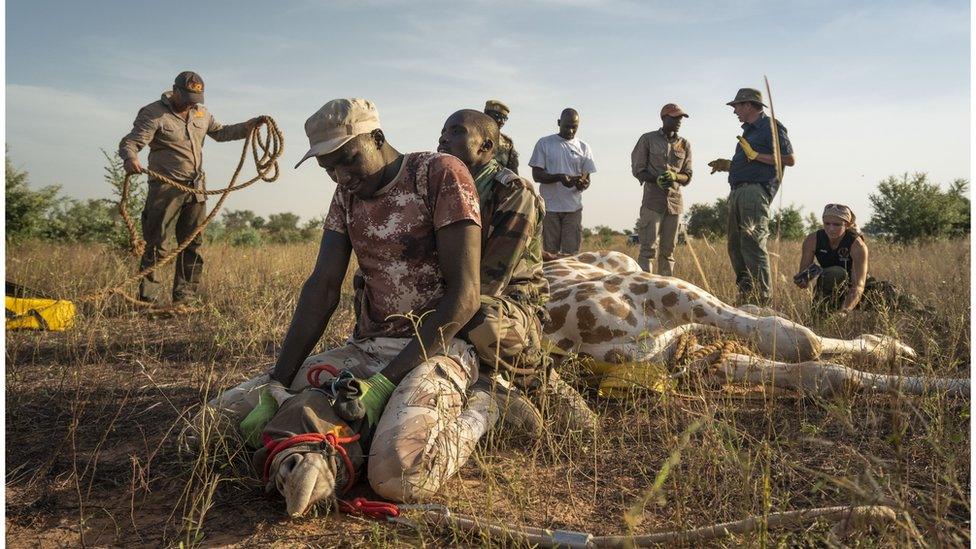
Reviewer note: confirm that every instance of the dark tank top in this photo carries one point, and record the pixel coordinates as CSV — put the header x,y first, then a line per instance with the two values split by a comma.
x,y
834,257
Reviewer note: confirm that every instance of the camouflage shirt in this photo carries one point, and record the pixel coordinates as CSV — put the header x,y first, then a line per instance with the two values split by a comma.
x,y
511,238
505,154
392,234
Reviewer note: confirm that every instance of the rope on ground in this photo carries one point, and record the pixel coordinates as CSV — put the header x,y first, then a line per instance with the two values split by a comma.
x,y
846,518
714,353
265,151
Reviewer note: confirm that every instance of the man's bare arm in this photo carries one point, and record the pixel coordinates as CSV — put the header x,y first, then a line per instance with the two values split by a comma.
x,y
459,253
788,159
542,176
316,303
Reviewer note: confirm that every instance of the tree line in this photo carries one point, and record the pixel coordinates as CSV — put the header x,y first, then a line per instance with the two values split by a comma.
x,y
906,209
45,214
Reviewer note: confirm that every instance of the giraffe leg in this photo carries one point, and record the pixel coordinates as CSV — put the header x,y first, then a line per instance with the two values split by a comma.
x,y
827,378
878,347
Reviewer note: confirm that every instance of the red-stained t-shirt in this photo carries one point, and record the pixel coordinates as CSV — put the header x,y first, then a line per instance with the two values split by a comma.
x,y
392,234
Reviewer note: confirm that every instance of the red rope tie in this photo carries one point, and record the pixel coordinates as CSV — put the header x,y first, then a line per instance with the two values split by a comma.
x,y
276,447
371,509
315,371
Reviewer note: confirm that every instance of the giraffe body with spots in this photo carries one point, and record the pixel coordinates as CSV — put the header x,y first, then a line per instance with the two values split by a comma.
x,y
602,305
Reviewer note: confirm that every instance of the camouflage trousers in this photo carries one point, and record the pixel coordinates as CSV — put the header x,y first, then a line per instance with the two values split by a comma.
x,y
429,426
507,336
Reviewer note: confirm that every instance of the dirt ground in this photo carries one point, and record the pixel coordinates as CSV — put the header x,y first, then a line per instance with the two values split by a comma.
x,y
93,414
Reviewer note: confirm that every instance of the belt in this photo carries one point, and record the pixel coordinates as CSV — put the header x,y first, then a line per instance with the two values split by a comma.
x,y
744,183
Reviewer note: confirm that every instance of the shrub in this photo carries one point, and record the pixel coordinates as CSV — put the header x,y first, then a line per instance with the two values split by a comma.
x,y
26,210
910,208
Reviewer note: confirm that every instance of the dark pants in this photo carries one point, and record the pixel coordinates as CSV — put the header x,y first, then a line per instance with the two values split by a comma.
x,y
748,232
562,232
832,286
170,210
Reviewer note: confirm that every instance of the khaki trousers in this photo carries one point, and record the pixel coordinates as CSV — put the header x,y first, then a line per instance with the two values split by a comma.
x,y
429,427
562,232
651,227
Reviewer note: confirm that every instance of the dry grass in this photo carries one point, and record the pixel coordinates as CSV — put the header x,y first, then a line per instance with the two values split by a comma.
x,y
93,416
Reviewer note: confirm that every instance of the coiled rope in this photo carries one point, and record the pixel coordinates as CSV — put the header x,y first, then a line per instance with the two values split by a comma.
x,y
265,150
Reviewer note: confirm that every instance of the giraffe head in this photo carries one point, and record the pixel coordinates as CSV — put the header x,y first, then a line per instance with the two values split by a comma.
x,y
307,469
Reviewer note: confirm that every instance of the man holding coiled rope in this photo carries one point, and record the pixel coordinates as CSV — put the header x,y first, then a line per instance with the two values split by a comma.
x,y
174,127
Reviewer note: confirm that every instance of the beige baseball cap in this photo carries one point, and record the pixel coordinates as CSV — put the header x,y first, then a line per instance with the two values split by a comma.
x,y
336,123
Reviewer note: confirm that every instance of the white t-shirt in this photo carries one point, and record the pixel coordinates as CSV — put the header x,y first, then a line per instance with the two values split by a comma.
x,y
556,155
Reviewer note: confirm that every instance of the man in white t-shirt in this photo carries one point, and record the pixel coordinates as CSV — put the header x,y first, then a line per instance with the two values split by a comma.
x,y
562,165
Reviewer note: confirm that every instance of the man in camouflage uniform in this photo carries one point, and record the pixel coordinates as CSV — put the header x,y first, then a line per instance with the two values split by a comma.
x,y
174,128
506,330
505,153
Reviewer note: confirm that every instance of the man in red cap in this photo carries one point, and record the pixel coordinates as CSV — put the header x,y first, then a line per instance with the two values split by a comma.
x,y
661,161
174,128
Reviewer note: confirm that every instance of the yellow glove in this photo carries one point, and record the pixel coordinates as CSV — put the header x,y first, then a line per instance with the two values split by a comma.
x,y
747,148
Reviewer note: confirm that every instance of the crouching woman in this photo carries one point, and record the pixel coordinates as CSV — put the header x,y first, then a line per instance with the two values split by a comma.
x,y
839,253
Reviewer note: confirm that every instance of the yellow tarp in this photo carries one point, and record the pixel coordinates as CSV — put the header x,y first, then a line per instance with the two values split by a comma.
x,y
620,379
25,313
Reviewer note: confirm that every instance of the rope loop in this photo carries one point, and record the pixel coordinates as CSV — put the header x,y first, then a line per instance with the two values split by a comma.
x,y
265,149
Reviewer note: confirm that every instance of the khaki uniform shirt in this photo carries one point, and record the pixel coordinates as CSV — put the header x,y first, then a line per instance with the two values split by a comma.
x,y
656,153
506,155
175,145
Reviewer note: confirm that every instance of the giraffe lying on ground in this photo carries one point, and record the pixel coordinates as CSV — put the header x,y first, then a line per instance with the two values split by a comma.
x,y
602,305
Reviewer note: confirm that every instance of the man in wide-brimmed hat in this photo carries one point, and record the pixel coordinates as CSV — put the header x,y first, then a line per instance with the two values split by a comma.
x,y
754,182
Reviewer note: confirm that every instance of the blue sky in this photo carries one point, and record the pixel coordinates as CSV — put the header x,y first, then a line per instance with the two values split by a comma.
x,y
866,89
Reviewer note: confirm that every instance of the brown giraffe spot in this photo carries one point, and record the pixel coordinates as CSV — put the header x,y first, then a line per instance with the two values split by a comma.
x,y
560,294
584,293
693,295
615,357
585,321
670,299
612,283
637,288
566,344
602,334
681,286
699,311
557,316
660,283
614,307
685,316
649,306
